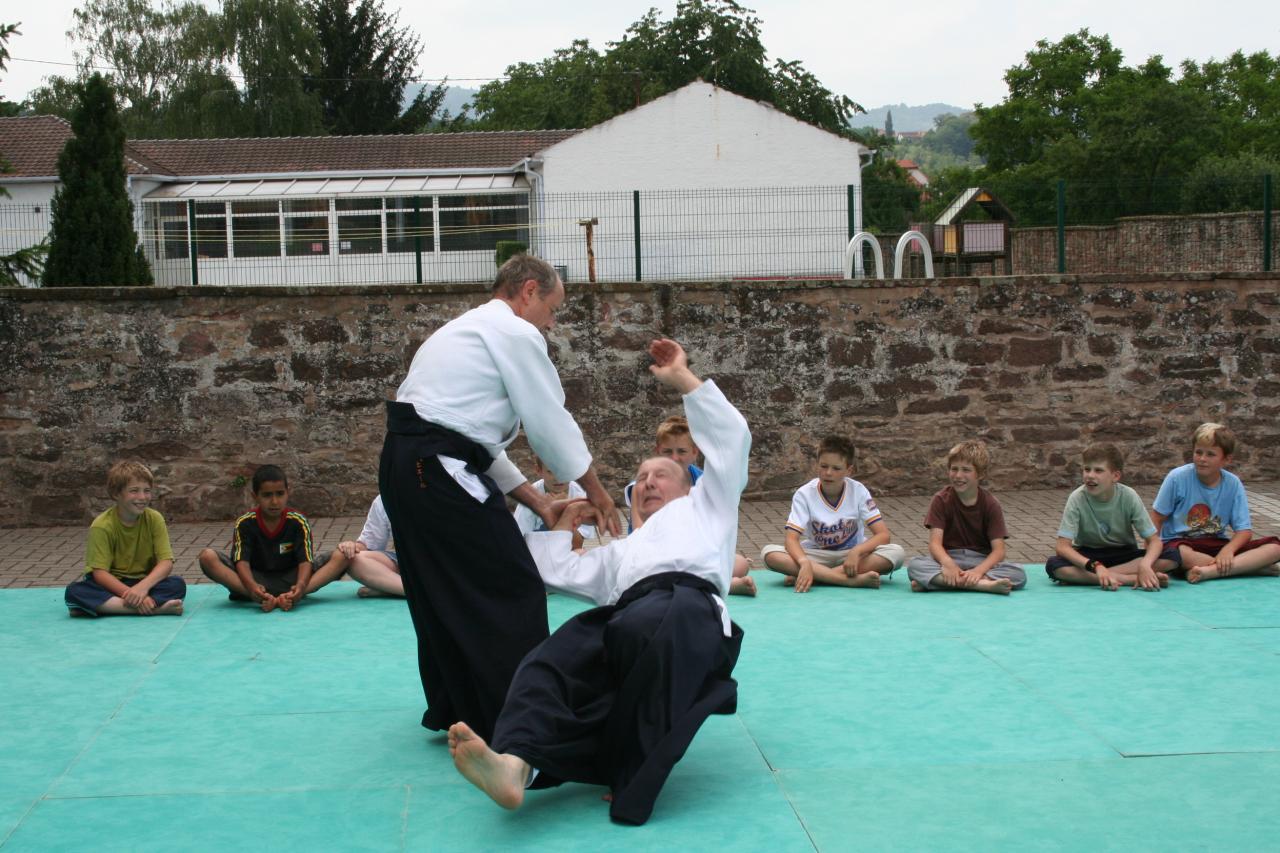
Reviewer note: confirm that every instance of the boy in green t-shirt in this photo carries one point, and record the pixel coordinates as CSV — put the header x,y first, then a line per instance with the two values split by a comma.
x,y
128,557
1096,545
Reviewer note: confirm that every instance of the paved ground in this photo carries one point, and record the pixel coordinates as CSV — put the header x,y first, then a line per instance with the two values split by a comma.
x,y
53,556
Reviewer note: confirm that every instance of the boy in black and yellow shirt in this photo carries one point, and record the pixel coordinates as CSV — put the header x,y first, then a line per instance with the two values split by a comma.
x,y
272,558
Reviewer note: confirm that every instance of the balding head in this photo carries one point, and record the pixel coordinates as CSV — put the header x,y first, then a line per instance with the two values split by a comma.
x,y
658,482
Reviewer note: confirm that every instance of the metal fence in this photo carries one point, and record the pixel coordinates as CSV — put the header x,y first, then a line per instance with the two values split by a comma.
x,y
792,232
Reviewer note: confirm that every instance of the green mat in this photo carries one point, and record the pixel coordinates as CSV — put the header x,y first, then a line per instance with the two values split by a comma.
x,y
1056,718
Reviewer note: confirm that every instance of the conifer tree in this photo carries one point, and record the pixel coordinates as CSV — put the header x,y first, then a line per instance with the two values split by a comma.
x,y
92,240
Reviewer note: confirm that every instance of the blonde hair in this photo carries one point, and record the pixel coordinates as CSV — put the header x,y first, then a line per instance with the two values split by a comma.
x,y
119,475
974,452
1216,435
673,427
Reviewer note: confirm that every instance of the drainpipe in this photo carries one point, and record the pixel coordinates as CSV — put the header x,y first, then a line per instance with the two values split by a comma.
x,y
870,156
531,167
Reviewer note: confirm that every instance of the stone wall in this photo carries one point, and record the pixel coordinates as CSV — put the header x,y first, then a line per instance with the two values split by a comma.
x,y
206,383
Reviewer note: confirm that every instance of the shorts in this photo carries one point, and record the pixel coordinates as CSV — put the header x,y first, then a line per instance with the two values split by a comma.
x,y
894,554
1211,545
1109,556
87,595
275,583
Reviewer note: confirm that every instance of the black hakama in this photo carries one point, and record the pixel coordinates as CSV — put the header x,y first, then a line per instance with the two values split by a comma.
x,y
476,600
616,694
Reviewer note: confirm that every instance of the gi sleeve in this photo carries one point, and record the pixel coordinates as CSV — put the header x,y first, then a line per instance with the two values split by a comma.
x,y
534,389
721,432
590,575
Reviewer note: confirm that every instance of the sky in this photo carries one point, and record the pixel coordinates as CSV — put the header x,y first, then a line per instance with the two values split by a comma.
x,y
953,52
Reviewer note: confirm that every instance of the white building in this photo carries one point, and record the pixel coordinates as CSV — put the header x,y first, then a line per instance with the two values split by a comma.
x,y
706,183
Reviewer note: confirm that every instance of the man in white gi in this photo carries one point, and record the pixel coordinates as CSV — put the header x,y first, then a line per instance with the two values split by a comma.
x,y
616,694
477,603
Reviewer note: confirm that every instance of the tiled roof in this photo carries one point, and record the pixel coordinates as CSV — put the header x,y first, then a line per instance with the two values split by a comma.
x,y
31,145
491,150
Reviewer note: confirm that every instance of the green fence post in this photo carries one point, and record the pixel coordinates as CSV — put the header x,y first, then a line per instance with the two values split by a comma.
x,y
1062,226
1266,223
635,227
849,205
193,241
417,236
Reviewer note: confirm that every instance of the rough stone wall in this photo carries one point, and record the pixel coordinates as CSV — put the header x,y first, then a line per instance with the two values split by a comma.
x,y
206,383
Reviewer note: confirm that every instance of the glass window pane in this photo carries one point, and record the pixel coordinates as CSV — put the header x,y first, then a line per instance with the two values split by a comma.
x,y
239,208
486,200
306,235
306,205
360,235
170,208
255,236
359,204
405,202
400,231
474,230
174,238
213,208
211,236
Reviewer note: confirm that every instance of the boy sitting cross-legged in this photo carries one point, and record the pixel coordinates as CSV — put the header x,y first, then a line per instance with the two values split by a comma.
x,y
271,561
1095,539
966,532
835,534
1199,502
128,557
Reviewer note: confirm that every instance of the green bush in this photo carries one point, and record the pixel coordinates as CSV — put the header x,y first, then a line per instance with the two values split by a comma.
x,y
506,248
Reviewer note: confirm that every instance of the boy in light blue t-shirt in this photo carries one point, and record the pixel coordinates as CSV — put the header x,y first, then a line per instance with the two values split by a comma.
x,y
1203,513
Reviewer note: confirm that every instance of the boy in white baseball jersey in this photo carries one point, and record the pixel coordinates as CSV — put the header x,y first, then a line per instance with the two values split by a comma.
x,y
835,533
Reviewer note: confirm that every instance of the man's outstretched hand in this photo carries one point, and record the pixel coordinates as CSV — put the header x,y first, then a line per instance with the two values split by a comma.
x,y
671,366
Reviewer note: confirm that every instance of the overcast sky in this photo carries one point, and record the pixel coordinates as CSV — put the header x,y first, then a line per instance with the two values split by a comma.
x,y
953,52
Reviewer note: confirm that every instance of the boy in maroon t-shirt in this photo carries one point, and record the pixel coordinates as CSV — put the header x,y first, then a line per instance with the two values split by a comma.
x,y
966,532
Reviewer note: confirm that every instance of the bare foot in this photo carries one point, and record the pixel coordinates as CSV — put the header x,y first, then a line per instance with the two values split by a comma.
x,y
999,586
502,777
866,580
370,592
1271,571
172,607
742,586
915,587
1164,579
1196,574
788,580
270,603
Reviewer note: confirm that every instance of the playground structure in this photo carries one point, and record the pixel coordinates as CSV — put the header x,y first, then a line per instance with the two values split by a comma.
x,y
949,239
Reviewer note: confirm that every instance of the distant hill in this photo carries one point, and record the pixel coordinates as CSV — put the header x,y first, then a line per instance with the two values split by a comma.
x,y
905,117
454,96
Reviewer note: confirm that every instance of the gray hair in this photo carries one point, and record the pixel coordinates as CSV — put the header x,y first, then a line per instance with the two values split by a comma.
x,y
521,268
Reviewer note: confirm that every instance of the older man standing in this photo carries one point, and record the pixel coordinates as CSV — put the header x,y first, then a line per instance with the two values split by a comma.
x,y
477,602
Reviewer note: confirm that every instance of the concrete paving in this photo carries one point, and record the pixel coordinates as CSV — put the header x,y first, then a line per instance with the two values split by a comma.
x,y
54,556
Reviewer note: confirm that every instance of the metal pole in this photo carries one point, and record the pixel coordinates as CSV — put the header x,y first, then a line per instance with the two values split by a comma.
x,y
849,205
1266,223
635,228
193,242
417,236
1062,226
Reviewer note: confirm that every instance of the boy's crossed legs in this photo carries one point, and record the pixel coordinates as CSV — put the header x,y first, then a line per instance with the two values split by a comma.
x,y
1122,565
1255,557
828,566
274,590
1002,578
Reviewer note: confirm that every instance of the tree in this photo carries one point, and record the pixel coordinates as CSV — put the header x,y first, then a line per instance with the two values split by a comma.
x,y
27,262
92,241
1244,91
713,40
276,48
888,124
364,62
1227,182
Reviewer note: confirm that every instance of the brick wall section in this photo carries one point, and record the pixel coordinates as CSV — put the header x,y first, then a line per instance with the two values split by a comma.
x,y
206,383
1206,242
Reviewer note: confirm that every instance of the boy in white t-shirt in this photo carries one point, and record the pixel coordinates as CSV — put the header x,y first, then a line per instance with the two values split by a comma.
x,y
835,533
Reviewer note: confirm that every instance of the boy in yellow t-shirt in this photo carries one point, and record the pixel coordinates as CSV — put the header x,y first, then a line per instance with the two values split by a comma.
x,y
128,557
